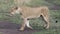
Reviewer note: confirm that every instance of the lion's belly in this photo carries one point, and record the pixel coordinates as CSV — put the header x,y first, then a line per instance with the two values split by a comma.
x,y
36,16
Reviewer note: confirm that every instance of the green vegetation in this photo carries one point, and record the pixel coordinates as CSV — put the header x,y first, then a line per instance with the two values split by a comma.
x,y
5,6
35,3
57,2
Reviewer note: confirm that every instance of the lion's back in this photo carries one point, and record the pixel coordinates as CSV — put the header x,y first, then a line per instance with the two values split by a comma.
x,y
33,12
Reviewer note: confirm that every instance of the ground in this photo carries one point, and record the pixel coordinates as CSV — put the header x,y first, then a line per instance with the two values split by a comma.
x,y
12,28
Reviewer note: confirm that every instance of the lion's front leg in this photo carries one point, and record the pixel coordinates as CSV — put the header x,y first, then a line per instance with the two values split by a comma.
x,y
23,24
27,24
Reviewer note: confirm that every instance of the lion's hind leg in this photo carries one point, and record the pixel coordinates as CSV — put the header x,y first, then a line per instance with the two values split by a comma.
x,y
46,19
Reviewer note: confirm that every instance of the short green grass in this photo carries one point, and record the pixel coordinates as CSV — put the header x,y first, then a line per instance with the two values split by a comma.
x,y
5,6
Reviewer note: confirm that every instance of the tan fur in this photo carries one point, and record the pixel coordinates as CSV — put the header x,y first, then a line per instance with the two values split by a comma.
x,y
35,12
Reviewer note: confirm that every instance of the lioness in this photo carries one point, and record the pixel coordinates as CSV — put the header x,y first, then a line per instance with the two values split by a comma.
x,y
29,12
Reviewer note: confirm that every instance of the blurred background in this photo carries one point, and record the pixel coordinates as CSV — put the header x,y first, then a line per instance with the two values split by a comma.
x,y
54,6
